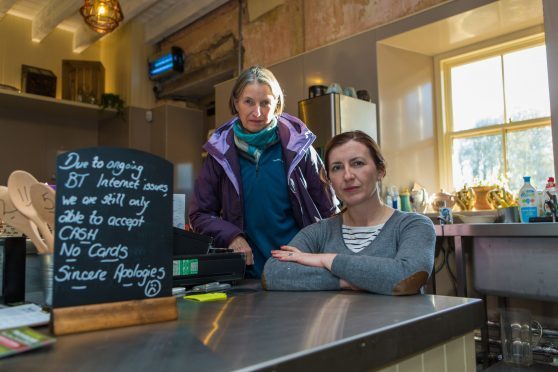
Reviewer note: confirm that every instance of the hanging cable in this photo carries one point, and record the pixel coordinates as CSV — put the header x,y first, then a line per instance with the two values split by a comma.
x,y
450,250
240,38
440,249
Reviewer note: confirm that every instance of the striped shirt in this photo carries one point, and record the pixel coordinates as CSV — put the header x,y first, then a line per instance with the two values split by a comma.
x,y
358,238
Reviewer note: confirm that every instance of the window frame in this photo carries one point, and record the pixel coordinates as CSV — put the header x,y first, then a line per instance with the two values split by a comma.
x,y
479,51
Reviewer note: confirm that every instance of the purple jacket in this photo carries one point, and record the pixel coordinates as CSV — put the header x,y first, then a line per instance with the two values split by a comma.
x,y
216,207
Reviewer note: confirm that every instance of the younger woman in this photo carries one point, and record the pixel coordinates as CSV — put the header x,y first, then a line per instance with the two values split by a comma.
x,y
369,246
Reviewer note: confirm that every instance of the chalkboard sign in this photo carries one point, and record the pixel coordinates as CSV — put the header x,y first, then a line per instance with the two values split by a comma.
x,y
113,227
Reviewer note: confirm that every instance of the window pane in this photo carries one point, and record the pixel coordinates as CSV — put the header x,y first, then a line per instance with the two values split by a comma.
x,y
526,82
476,159
477,94
529,153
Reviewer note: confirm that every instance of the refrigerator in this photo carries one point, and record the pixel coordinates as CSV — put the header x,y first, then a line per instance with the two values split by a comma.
x,y
333,113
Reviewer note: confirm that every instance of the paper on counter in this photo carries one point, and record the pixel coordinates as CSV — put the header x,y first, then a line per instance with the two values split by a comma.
x,y
23,315
178,210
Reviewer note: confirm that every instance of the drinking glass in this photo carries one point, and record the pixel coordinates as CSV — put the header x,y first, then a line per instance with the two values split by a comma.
x,y
518,336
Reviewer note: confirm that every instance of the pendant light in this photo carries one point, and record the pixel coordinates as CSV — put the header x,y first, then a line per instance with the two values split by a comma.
x,y
103,16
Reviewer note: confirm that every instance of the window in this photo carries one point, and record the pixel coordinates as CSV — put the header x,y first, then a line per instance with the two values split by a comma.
x,y
497,116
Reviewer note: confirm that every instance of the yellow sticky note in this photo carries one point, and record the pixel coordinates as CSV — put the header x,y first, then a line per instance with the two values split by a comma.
x,y
205,297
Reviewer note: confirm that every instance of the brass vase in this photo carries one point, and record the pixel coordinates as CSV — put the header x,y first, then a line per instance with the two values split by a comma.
x,y
481,198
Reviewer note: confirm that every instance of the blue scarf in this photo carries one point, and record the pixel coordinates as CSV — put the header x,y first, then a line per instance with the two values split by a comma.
x,y
253,144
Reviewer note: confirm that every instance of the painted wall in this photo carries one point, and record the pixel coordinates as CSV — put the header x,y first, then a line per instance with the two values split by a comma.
x,y
551,28
222,96
124,55
34,133
16,48
179,137
406,113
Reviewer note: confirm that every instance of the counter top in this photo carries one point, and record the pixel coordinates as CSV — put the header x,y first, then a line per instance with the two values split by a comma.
x,y
508,259
255,329
499,229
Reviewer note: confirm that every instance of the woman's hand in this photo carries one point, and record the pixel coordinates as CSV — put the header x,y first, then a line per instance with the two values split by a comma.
x,y
239,244
292,254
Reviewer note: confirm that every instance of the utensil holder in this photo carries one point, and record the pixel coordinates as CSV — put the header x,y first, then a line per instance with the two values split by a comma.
x,y
13,270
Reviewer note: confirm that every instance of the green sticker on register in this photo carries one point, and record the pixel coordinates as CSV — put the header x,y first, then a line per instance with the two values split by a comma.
x,y
185,267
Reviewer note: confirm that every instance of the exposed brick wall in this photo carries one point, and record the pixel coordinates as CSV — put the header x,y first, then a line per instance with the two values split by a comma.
x,y
276,35
329,20
290,29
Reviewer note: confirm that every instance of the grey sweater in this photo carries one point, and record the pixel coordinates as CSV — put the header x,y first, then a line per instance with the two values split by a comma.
x,y
405,246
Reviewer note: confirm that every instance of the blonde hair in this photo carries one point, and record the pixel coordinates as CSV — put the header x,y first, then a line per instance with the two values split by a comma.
x,y
261,75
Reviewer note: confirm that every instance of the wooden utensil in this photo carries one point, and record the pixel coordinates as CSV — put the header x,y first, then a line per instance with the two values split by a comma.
x,y
13,217
43,199
19,186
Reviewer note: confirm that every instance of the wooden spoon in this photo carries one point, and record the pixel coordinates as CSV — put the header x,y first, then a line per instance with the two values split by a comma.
x,y
19,185
43,199
13,217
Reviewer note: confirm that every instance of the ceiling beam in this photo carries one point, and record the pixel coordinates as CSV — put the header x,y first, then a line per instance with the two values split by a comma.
x,y
131,8
177,17
51,15
5,5
84,36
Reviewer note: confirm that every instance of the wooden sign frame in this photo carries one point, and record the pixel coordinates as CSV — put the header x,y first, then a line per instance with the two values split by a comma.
x,y
75,319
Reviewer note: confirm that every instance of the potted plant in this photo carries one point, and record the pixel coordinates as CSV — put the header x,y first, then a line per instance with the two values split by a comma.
x,y
110,100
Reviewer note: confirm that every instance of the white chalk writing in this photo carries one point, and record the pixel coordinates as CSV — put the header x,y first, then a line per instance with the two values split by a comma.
x,y
104,198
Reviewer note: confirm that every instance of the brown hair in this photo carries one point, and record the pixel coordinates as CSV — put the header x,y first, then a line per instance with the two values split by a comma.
x,y
261,75
360,137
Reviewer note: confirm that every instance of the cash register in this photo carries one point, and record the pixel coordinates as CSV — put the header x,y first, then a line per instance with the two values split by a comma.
x,y
196,261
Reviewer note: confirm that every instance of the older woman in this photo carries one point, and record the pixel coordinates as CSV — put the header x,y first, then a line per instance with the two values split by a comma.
x,y
369,246
260,183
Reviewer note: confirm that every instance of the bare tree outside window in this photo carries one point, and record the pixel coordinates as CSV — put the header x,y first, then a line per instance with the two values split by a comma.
x,y
499,127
